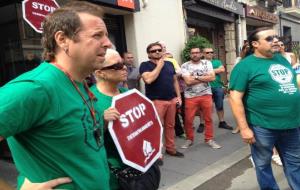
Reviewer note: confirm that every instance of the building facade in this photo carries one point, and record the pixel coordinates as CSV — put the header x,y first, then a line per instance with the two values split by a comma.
x,y
132,25
289,23
216,20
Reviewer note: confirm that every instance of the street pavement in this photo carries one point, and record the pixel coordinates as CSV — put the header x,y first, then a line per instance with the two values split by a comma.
x,y
202,168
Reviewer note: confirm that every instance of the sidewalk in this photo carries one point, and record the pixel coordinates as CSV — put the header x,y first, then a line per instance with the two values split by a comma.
x,y
203,168
194,169
242,176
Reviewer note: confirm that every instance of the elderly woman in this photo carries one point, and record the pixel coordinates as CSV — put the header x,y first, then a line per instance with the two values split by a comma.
x,y
108,77
112,73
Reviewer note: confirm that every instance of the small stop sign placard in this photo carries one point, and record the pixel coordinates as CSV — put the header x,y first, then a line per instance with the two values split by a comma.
x,y
35,11
138,133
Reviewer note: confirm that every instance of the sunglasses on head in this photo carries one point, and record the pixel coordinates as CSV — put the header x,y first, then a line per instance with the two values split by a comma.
x,y
209,52
155,51
271,38
116,66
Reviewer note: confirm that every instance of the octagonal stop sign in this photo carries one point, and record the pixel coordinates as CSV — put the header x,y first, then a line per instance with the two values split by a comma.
x,y
35,11
138,133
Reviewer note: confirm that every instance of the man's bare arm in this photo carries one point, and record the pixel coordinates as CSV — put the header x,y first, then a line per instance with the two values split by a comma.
x,y
27,185
190,80
149,77
207,77
1,138
220,69
238,110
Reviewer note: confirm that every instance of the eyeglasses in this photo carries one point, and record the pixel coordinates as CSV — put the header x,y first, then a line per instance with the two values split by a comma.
x,y
156,51
209,52
271,38
116,66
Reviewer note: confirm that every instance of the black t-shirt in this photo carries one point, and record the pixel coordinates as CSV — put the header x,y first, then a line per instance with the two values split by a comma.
x,y
163,87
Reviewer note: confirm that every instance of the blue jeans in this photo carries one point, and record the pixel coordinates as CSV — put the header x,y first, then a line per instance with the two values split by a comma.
x,y
287,143
218,97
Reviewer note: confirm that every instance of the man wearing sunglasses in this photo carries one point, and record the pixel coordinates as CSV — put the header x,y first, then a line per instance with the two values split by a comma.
x,y
216,88
197,74
163,89
264,98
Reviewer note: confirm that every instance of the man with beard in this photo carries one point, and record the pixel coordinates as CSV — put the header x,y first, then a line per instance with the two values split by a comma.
x,y
163,89
47,114
197,74
265,102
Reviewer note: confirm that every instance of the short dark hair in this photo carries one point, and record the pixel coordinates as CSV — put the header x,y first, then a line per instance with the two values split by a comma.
x,y
125,53
67,20
196,48
151,45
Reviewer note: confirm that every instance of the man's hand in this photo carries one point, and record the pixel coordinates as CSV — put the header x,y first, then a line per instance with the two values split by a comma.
x,y
178,99
111,114
160,62
247,135
48,185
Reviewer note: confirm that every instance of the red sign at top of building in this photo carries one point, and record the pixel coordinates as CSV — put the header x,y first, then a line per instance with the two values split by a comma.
x,y
126,3
35,11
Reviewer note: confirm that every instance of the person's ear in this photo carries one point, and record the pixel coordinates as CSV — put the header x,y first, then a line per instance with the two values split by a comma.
x,y
255,43
62,40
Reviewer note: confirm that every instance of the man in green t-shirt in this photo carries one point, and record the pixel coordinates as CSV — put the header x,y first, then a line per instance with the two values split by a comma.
x,y
47,114
216,89
264,98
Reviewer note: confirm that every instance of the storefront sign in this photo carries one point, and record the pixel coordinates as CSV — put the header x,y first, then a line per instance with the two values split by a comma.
x,y
128,4
229,5
138,133
261,14
35,11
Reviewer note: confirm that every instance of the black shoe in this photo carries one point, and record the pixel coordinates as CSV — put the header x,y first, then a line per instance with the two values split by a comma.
x,y
159,162
200,128
224,125
176,154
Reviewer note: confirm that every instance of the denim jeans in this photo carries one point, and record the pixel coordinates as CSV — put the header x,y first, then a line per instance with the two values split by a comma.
x,y
218,97
287,143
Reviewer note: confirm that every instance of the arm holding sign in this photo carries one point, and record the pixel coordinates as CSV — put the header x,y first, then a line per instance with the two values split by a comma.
x,y
111,114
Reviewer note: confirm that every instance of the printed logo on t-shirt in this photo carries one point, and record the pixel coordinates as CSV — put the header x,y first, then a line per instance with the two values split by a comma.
x,y
280,73
89,129
284,77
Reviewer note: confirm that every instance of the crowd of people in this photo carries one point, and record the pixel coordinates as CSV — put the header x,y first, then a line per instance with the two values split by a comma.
x,y
56,124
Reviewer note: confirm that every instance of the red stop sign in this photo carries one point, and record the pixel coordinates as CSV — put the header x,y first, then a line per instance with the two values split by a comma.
x,y
138,133
35,11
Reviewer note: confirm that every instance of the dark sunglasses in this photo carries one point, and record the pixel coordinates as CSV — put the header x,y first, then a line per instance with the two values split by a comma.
x,y
271,38
116,66
155,51
209,52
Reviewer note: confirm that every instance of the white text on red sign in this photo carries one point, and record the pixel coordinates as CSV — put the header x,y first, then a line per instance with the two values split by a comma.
x,y
43,7
132,114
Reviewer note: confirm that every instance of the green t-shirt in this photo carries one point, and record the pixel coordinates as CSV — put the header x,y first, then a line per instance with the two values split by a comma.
x,y
50,130
271,97
113,157
217,82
